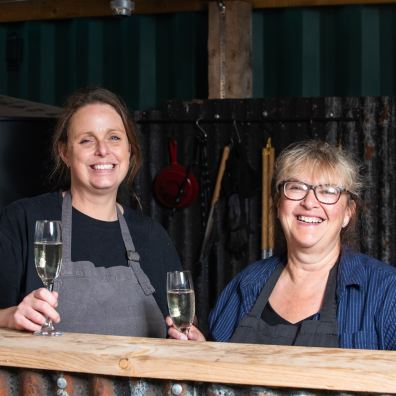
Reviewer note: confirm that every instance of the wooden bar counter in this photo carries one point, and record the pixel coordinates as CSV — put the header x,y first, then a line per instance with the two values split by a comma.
x,y
240,368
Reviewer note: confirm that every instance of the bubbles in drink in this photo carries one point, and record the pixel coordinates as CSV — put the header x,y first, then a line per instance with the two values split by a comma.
x,y
48,257
181,303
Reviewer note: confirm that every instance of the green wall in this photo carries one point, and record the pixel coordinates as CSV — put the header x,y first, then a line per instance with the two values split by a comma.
x,y
325,51
148,59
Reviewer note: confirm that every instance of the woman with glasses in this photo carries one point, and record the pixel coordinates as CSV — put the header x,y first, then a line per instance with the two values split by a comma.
x,y
317,291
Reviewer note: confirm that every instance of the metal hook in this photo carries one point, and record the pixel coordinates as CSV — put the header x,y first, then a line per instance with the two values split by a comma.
x,y
221,6
204,135
234,123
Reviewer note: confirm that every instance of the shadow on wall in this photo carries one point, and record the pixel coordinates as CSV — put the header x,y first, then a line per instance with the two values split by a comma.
x,y
25,164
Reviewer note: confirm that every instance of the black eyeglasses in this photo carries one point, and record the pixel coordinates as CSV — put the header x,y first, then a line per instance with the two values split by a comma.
x,y
325,193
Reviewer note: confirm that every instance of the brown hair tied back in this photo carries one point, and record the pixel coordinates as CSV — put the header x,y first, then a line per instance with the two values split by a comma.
x,y
83,97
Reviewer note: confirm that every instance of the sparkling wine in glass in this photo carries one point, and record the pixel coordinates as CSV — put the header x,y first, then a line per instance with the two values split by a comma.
x,y
48,260
181,299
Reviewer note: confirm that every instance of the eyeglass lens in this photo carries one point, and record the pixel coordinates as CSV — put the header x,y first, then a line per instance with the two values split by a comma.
x,y
324,193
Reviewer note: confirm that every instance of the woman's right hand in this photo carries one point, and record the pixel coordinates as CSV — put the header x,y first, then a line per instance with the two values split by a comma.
x,y
193,334
32,311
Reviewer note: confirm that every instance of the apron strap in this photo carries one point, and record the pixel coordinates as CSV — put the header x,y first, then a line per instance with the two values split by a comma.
x,y
266,291
132,254
328,310
66,227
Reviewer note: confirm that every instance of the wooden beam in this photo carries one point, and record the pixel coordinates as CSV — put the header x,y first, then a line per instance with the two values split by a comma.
x,y
313,3
230,50
27,10
333,369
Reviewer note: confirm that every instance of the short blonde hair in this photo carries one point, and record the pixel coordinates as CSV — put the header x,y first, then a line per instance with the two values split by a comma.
x,y
322,158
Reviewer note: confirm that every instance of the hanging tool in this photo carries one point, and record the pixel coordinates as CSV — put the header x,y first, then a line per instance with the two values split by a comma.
x,y
267,213
216,194
202,266
240,183
201,163
175,186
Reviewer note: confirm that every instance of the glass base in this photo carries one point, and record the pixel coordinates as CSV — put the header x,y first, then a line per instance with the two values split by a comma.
x,y
50,333
48,329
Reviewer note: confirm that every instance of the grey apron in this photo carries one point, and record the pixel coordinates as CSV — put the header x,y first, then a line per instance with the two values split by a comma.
x,y
117,300
320,333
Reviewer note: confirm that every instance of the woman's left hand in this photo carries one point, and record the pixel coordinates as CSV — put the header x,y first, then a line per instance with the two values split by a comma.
x,y
193,334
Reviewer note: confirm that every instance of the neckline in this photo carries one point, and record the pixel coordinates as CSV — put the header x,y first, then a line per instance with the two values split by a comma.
x,y
78,215
281,320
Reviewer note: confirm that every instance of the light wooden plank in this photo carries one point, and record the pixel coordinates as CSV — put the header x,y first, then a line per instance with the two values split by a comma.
x,y
265,365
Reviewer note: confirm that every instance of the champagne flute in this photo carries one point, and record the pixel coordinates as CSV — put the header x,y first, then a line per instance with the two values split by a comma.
x,y
181,299
48,260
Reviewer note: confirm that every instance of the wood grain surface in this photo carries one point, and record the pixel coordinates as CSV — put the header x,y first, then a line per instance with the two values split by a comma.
x,y
266,365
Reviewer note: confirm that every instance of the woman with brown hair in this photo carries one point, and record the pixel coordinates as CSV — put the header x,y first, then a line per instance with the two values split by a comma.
x,y
115,259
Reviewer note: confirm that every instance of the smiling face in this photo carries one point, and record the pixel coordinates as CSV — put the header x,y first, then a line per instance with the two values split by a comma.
x,y
309,224
97,150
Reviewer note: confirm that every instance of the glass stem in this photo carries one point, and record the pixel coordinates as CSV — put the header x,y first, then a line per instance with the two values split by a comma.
x,y
48,322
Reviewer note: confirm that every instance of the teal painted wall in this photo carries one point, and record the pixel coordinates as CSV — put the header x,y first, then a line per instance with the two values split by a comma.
x,y
325,51
148,59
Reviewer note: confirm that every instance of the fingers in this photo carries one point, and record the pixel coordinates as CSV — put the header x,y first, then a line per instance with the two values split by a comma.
x,y
173,332
33,310
45,295
176,334
193,334
26,320
169,321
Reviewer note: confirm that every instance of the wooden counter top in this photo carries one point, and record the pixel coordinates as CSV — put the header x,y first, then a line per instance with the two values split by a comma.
x,y
265,365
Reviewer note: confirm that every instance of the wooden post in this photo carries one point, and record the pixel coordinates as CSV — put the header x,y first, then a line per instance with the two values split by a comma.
x,y
230,49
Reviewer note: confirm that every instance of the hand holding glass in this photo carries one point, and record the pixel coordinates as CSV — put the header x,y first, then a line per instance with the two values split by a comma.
x,y
48,260
181,299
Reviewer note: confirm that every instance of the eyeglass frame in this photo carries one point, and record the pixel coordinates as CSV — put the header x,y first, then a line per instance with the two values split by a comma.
x,y
312,187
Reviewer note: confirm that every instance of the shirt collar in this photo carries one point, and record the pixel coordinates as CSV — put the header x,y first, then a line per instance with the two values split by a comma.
x,y
351,272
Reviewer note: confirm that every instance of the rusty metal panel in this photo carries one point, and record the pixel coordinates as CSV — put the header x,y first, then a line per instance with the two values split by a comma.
x,y
23,382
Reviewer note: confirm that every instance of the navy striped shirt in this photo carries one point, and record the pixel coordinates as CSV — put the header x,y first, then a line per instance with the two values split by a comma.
x,y
366,297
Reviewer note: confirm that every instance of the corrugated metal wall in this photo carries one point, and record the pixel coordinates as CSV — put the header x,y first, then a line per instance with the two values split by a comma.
x,y
317,51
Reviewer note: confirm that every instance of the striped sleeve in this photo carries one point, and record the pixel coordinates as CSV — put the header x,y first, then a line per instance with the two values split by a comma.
x,y
225,316
390,318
